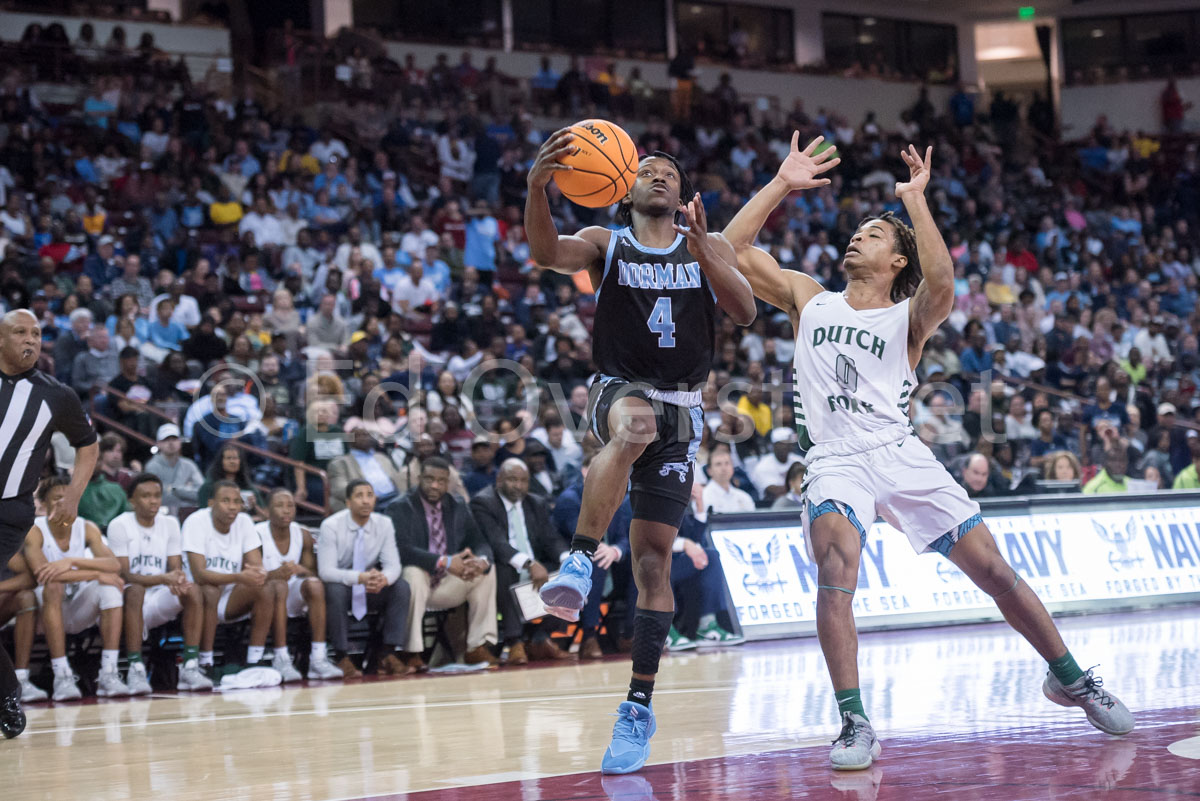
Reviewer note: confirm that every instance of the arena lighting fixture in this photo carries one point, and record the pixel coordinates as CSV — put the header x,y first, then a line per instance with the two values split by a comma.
x,y
868,20
1097,33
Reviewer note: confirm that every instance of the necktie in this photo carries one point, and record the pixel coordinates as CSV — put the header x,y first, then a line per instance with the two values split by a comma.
x,y
358,596
437,531
437,539
518,536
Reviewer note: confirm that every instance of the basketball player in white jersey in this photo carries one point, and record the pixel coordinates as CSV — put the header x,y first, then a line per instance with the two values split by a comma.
x,y
79,586
157,590
291,567
854,375
224,556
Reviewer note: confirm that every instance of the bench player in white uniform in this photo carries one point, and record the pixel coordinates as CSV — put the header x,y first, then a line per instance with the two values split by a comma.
x,y
157,590
224,556
79,586
854,375
19,604
292,580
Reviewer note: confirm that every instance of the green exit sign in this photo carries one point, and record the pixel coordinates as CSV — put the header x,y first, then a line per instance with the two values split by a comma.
x,y
1025,12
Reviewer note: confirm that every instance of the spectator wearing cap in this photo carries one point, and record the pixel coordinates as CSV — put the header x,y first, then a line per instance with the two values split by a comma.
x,y
770,474
481,468
102,266
1062,292
181,478
364,462
1111,477
544,477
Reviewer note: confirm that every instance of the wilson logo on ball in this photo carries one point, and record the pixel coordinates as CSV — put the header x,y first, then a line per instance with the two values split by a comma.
x,y
603,169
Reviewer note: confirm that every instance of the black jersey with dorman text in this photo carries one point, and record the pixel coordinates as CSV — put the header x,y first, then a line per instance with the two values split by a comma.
x,y
655,315
33,406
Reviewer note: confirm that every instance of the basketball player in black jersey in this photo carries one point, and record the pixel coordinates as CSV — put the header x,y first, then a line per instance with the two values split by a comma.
x,y
658,284
33,406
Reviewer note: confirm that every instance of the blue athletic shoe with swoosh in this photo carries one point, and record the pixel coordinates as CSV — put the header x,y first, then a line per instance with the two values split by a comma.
x,y
630,746
565,594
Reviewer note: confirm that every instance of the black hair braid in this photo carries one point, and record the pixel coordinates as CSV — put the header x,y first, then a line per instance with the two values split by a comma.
x,y
905,284
686,192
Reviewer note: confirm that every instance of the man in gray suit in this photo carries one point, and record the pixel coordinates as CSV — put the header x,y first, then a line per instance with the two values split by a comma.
x,y
358,561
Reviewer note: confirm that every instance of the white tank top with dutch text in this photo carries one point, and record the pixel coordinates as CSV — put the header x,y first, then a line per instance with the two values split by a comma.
x,y
853,381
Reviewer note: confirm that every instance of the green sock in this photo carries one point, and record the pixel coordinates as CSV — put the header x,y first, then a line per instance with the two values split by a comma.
x,y
1066,670
849,701
190,652
134,657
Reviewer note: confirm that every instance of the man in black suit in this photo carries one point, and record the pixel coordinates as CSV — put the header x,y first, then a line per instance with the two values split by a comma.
x,y
447,562
527,547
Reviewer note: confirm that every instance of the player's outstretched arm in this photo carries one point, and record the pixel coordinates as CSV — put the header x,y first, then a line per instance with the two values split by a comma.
x,y
563,254
719,263
798,171
787,291
934,299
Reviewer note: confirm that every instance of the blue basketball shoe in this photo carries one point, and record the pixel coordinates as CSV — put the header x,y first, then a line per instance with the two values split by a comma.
x,y
565,594
630,746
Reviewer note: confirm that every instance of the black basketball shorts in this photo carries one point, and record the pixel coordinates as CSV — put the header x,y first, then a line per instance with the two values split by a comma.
x,y
661,479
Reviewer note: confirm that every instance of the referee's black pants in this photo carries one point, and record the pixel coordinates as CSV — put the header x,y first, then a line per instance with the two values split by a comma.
x,y
16,516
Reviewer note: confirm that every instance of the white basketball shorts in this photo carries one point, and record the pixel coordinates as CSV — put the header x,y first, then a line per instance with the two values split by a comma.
x,y
902,482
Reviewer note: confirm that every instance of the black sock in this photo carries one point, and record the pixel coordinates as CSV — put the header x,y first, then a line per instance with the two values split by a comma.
x,y
8,675
649,633
640,691
584,545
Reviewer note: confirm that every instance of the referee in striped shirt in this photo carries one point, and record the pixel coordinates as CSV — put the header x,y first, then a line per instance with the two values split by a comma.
x,y
33,406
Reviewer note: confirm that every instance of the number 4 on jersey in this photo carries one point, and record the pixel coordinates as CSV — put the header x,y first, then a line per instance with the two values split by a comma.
x,y
660,322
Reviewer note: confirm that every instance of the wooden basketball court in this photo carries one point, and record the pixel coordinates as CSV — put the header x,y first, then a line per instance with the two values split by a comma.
x,y
959,711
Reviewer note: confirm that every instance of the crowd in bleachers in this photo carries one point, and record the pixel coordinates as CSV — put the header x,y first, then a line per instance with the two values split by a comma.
x,y
210,271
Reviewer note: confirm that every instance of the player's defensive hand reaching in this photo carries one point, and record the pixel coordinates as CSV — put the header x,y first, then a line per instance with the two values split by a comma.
x,y
919,171
801,168
560,144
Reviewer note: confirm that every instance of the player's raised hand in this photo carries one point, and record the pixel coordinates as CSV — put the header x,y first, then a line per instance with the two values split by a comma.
x,y
801,167
696,230
919,171
560,144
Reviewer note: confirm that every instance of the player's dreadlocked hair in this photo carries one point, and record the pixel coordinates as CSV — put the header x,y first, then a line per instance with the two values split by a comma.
x,y
625,210
906,281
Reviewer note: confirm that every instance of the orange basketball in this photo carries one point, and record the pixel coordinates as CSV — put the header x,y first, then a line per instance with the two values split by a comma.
x,y
604,168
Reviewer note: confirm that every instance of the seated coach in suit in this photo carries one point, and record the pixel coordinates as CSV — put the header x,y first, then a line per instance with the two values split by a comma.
x,y
527,547
358,562
364,462
447,561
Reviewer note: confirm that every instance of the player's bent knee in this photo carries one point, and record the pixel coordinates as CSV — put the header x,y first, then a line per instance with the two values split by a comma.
x,y
312,588
212,595
53,592
134,593
26,602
